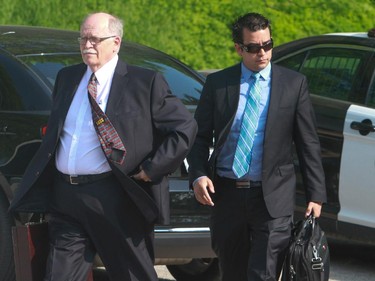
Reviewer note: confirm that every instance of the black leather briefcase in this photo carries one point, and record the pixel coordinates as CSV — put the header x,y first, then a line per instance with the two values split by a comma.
x,y
308,256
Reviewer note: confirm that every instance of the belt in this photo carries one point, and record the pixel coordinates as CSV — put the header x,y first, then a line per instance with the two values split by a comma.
x,y
84,179
248,184
239,183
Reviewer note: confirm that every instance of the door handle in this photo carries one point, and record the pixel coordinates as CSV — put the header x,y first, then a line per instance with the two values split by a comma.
x,y
364,127
4,131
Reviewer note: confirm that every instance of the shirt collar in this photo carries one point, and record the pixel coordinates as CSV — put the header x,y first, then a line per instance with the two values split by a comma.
x,y
106,71
264,73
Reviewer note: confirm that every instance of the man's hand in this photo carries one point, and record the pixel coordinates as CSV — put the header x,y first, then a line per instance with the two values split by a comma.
x,y
201,187
315,208
141,176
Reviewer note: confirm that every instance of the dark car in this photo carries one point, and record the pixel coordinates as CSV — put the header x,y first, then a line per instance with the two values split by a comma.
x,y
341,73
30,58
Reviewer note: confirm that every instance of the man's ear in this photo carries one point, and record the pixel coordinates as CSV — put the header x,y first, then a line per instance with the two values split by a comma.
x,y
117,44
238,49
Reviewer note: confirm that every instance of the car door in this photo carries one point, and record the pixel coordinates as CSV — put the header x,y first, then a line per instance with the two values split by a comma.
x,y
24,109
338,75
357,177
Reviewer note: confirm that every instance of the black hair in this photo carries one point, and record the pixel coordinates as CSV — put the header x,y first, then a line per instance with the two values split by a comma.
x,y
251,21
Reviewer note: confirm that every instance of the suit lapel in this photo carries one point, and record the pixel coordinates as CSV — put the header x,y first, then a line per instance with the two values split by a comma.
x,y
232,99
233,90
275,96
68,94
118,89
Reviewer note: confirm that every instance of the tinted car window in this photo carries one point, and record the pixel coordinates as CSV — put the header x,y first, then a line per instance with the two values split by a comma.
x,y
20,89
182,86
331,72
47,66
293,62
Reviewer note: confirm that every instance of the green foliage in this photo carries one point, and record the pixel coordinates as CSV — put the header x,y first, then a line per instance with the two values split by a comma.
x,y
197,31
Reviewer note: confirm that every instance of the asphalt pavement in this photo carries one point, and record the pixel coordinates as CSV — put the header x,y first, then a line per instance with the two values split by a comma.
x,y
352,262
349,262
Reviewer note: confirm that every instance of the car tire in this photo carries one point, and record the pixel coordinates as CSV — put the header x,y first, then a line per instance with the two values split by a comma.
x,y
7,271
197,270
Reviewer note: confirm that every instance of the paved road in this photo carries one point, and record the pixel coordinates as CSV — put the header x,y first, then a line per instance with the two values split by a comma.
x,y
348,263
352,262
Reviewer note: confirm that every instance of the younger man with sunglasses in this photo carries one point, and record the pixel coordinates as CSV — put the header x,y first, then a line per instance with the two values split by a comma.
x,y
251,114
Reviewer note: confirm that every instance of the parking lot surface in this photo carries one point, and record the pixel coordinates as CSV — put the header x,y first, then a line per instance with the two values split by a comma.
x,y
349,262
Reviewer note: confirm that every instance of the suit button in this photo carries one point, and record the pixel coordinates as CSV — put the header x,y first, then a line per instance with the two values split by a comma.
x,y
37,173
49,155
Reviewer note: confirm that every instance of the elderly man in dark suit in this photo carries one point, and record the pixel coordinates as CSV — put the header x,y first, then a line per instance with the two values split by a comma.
x,y
254,112
114,133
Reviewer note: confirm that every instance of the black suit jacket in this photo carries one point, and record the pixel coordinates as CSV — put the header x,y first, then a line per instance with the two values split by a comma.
x,y
155,127
290,119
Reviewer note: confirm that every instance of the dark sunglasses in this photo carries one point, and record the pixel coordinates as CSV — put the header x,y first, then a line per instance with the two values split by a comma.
x,y
255,48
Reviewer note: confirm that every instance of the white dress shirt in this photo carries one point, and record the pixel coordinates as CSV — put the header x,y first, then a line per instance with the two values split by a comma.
x,y
79,151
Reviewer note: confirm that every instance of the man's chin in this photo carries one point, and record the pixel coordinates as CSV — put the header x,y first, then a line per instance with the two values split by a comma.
x,y
263,65
89,60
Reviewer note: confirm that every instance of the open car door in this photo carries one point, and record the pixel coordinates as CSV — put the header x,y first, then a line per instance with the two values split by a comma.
x,y
357,172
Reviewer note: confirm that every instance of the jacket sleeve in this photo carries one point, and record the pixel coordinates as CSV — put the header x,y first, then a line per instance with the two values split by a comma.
x,y
308,147
199,156
176,126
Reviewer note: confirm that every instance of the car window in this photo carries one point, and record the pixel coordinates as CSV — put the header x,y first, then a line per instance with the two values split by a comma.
x,y
294,62
331,72
182,84
47,66
20,89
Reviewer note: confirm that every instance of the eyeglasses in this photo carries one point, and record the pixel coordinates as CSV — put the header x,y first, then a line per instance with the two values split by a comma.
x,y
255,48
93,40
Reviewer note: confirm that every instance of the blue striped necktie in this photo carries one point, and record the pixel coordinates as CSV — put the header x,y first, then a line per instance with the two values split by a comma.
x,y
242,156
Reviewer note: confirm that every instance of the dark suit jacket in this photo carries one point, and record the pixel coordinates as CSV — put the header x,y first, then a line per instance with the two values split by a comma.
x,y
290,119
154,126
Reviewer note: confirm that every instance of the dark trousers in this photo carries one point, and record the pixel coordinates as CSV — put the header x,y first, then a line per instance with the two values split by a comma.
x,y
98,218
250,244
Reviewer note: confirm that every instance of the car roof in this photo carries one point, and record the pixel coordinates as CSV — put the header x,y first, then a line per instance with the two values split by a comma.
x,y
357,38
332,39
21,40
350,34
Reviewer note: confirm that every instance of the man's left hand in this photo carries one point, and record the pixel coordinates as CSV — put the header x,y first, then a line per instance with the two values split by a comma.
x,y
314,208
141,176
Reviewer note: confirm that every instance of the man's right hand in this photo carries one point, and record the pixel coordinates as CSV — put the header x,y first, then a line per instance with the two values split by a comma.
x,y
202,186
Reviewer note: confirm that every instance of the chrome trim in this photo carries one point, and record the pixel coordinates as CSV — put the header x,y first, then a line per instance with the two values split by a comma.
x,y
183,230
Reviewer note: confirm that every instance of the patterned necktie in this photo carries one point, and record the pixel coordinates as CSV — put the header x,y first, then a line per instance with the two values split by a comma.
x,y
109,139
242,156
